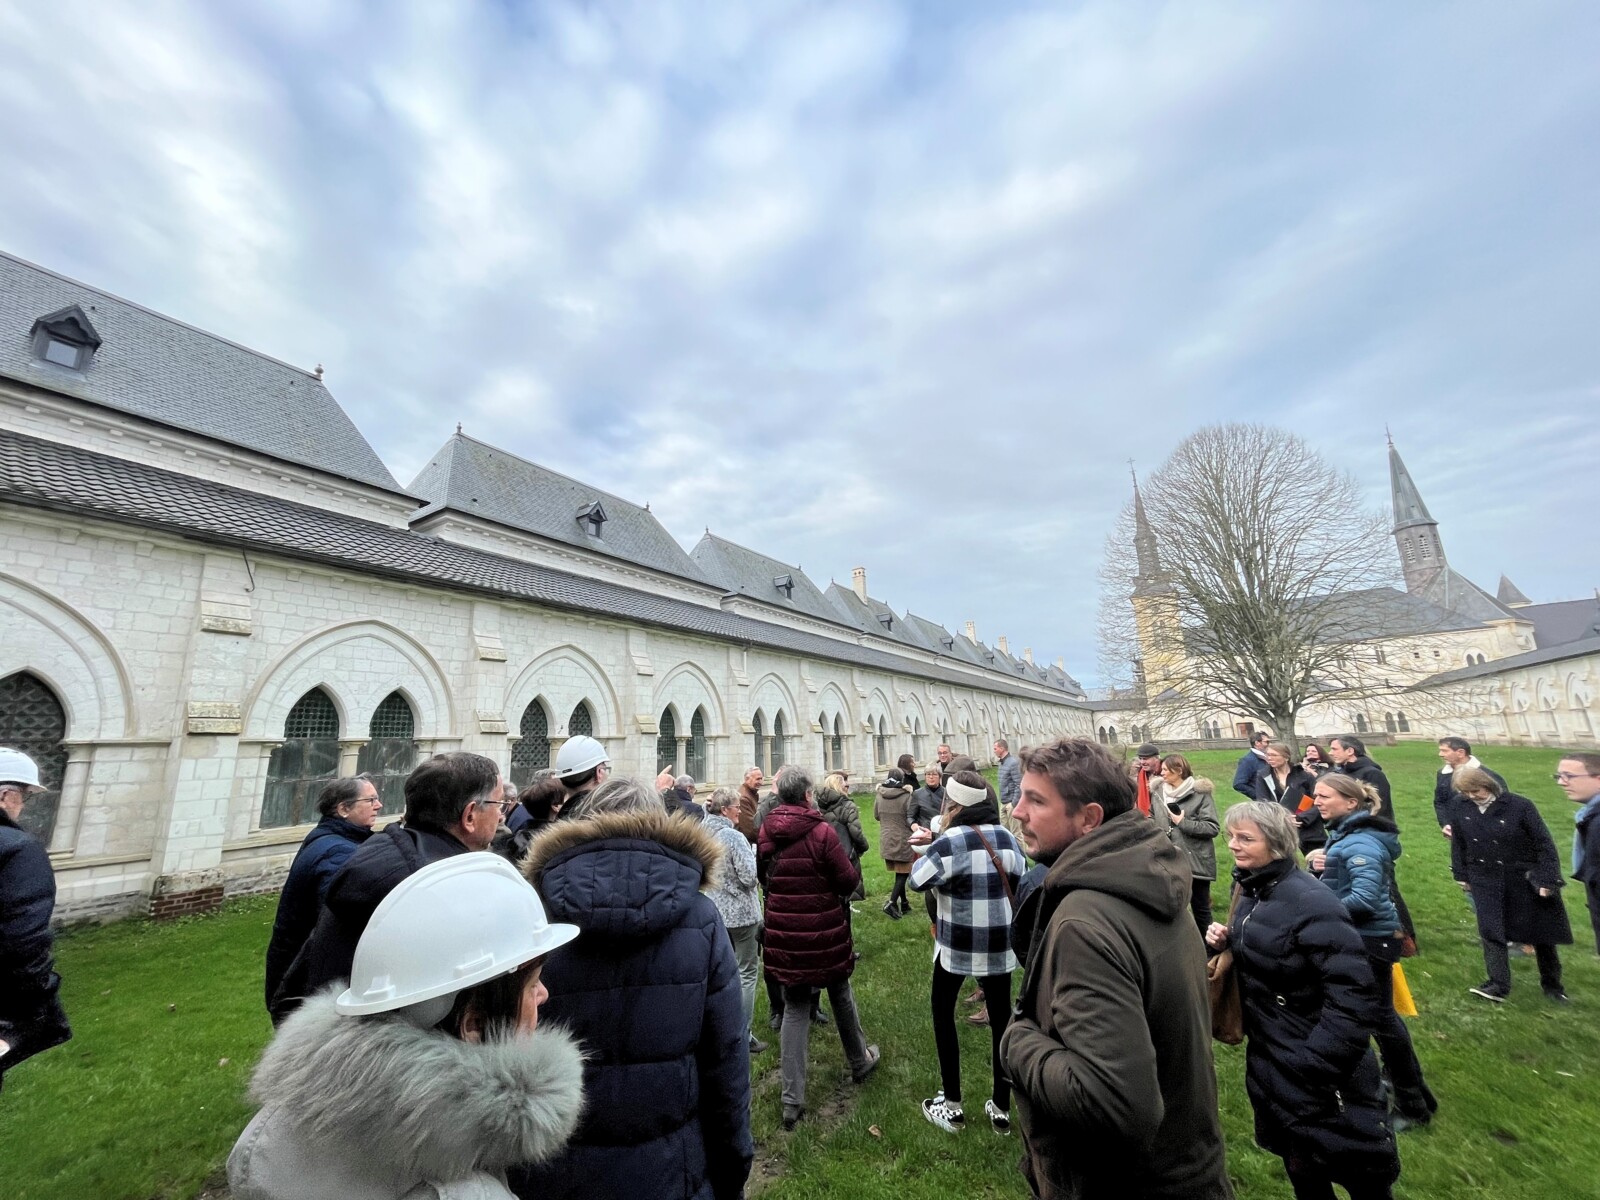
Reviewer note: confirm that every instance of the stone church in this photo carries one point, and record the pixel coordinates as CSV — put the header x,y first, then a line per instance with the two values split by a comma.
x,y
1439,656
214,597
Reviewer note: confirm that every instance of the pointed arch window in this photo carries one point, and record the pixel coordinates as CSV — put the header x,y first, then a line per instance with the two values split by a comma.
x,y
696,751
759,744
1361,722
391,750
881,750
581,722
1112,734
1388,722
838,742
827,750
667,742
532,751
32,720
1400,720
779,730
1101,733
306,759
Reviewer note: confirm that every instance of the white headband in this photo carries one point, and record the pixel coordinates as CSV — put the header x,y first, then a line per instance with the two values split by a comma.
x,y
963,795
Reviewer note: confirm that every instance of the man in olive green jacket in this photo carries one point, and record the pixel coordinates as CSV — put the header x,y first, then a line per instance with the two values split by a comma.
x,y
1110,1054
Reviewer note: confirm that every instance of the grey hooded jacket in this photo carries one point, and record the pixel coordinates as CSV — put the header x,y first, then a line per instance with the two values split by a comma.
x,y
373,1108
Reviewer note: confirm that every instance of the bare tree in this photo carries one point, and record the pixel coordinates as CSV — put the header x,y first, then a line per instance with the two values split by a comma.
x,y
1246,577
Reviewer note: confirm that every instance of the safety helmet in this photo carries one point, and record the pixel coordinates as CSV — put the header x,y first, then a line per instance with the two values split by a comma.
x,y
579,754
452,924
17,767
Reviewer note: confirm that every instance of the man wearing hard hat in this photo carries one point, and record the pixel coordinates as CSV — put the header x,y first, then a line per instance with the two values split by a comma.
x,y
582,765
31,1017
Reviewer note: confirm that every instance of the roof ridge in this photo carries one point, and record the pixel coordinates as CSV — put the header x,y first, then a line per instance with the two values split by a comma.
x,y
161,316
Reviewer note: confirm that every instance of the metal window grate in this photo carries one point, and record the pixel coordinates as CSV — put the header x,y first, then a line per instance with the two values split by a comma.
x,y
393,718
777,742
33,721
696,764
391,752
307,759
313,716
667,743
581,722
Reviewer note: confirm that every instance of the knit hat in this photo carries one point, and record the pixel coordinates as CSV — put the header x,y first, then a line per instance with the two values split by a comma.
x,y
963,795
1149,750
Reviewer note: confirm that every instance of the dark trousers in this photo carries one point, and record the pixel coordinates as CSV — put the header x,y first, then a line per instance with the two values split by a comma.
x,y
1497,959
997,1000
1315,1183
1592,892
775,998
1200,904
1411,1095
897,896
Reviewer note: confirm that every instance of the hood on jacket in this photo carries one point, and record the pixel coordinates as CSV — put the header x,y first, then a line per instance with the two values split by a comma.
x,y
1195,784
1129,857
888,789
1380,827
788,823
421,1104
828,799
628,874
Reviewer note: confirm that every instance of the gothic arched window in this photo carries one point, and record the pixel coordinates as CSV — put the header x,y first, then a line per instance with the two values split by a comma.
x,y
838,742
532,751
778,731
1388,722
667,742
581,722
1361,722
33,721
759,743
1400,720
882,739
307,758
391,750
696,756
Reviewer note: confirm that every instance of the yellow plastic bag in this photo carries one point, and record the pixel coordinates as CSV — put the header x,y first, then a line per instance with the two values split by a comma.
x,y
1403,1003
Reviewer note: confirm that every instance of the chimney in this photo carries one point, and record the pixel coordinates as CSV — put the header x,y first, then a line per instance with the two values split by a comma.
x,y
1001,642
1061,664
858,581
1027,654
972,632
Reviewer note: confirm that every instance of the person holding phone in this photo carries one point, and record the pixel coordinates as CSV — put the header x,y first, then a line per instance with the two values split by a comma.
x,y
1192,809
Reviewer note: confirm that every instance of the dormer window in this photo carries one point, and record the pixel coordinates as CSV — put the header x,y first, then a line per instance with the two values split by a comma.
x,y
785,584
594,516
886,620
65,338
949,643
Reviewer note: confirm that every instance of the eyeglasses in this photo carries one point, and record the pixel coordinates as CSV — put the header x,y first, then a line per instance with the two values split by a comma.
x,y
500,804
1564,777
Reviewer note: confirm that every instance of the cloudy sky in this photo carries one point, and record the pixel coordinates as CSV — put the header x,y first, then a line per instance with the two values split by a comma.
x,y
901,286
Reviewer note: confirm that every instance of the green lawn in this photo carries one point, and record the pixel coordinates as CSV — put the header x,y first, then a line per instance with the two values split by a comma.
x,y
142,1104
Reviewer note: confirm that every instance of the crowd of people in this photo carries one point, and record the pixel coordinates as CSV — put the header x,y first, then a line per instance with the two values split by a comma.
x,y
592,1034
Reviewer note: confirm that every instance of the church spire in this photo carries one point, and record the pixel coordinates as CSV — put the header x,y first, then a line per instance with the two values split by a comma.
x,y
1149,576
1416,533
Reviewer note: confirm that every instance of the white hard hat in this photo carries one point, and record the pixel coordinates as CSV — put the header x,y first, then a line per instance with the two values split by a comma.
x,y
452,924
17,767
579,754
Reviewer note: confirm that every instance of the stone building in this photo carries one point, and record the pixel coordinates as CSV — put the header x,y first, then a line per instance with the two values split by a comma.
x,y
1442,656
214,596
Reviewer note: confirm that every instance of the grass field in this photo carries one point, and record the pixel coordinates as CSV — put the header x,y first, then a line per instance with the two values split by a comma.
x,y
148,1097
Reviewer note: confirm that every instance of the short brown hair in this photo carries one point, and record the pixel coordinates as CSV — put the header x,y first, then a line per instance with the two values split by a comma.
x,y
1476,779
1589,759
1178,763
1083,772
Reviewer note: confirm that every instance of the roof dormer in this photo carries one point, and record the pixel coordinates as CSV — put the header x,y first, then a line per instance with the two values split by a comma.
x,y
65,338
593,515
785,584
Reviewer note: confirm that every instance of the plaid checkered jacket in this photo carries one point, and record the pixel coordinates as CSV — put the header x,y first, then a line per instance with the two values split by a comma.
x,y
972,935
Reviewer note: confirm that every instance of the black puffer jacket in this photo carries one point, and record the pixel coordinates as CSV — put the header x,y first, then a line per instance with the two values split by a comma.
x,y
840,812
1310,1008
1363,768
326,849
373,871
31,1017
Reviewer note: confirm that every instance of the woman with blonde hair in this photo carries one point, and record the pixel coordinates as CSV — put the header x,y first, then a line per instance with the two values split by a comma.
x,y
1358,864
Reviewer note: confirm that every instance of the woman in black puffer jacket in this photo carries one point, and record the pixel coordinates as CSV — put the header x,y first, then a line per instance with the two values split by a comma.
x,y
1309,1012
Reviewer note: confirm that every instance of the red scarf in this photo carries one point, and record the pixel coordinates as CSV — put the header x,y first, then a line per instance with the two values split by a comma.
x,y
1144,793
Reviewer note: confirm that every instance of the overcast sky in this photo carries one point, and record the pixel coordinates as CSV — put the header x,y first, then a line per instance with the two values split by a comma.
x,y
897,286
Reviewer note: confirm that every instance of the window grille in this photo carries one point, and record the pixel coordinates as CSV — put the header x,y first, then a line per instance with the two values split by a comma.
x,y
391,750
532,751
696,764
33,721
759,739
838,743
777,742
667,743
307,759
581,722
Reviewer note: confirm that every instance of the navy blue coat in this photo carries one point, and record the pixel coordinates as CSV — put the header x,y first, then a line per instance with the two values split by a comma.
x,y
651,990
1310,1009
370,874
31,1017
1506,854
1244,775
326,848
1444,787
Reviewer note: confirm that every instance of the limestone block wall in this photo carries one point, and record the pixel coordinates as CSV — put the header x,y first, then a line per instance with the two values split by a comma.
x,y
177,663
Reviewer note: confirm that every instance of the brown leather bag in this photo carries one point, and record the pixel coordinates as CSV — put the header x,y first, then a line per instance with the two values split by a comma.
x,y
1222,984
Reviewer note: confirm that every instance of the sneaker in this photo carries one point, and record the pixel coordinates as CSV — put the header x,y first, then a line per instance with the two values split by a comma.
x,y
1490,990
874,1055
757,1046
1556,995
905,906
792,1113
999,1120
981,1017
891,909
946,1114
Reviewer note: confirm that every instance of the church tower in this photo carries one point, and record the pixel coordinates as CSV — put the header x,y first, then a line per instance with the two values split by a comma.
x,y
1416,533
1155,608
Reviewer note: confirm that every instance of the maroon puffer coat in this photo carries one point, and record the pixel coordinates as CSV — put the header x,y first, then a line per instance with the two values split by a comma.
x,y
808,875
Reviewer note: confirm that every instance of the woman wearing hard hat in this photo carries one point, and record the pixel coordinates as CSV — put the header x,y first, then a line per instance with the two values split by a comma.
x,y
427,1076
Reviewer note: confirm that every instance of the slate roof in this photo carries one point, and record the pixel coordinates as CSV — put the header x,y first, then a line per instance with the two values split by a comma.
x,y
163,370
1533,658
1510,594
64,478
869,614
1452,590
741,571
1563,621
473,477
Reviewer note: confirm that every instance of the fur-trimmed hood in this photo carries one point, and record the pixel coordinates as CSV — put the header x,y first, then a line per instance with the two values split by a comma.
x,y
623,874
377,1100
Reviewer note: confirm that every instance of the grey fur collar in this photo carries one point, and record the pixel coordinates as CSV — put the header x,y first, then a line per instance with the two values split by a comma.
x,y
690,838
423,1104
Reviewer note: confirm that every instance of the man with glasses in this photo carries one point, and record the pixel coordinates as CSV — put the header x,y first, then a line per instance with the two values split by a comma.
x,y
1579,777
454,804
31,1016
